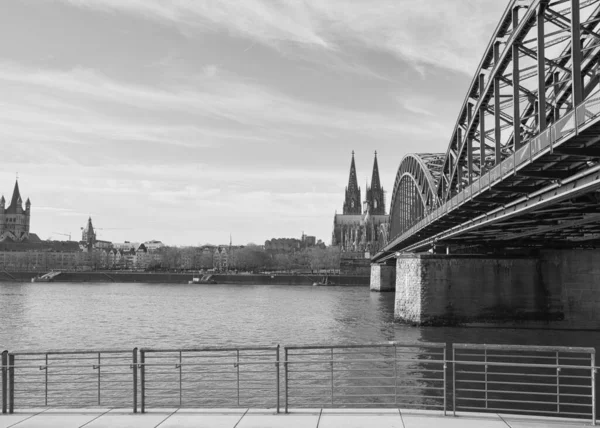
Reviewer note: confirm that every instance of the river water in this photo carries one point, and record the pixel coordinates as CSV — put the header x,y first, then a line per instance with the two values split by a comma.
x,y
45,316
51,316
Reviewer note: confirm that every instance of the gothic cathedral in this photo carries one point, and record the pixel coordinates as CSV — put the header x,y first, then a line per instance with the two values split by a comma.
x,y
359,228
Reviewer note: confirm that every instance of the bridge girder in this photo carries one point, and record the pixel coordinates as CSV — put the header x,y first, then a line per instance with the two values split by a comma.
x,y
537,103
414,193
542,61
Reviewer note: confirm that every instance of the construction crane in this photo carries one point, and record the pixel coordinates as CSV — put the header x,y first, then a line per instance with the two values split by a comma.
x,y
63,234
108,228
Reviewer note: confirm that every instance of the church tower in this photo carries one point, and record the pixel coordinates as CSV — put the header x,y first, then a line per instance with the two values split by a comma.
x,y
352,202
375,193
88,236
14,220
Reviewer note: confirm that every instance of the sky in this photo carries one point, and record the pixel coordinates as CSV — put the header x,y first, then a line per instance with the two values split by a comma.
x,y
190,120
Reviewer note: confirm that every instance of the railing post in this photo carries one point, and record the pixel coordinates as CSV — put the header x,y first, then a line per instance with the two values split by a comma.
x,y
237,365
4,380
453,381
593,364
277,374
395,374
445,383
135,380
285,369
331,378
485,368
98,378
11,383
142,380
557,384
46,382
181,382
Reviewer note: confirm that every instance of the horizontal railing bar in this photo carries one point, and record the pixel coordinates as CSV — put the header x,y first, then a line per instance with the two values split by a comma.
x,y
551,385
503,400
386,351
66,352
496,391
342,369
537,357
212,349
530,348
230,354
431,345
364,395
91,358
183,364
511,374
204,382
523,410
213,389
367,360
500,364
390,405
42,373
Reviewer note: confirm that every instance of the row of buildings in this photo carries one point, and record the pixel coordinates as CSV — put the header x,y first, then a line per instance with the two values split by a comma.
x,y
20,249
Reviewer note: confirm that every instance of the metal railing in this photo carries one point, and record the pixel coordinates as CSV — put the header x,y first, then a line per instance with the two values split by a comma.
x,y
106,378
537,380
380,375
210,377
524,379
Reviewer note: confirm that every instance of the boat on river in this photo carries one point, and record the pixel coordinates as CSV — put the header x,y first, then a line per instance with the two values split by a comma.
x,y
48,277
204,279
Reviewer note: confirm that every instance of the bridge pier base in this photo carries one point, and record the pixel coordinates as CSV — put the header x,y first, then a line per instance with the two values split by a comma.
x,y
383,277
436,289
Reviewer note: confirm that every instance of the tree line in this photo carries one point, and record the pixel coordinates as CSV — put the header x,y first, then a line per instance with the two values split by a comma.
x,y
251,258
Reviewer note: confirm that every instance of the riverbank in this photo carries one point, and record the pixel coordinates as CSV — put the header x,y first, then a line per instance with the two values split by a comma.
x,y
183,278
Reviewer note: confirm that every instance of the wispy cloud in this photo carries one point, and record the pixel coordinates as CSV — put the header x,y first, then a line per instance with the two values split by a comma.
x,y
447,34
224,97
248,118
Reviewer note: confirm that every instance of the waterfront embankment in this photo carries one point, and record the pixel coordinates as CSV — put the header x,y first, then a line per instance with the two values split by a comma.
x,y
183,278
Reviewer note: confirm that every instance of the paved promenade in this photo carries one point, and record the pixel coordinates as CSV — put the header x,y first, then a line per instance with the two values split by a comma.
x,y
258,418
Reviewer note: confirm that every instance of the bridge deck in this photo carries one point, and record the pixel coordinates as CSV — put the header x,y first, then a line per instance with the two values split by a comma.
x,y
265,418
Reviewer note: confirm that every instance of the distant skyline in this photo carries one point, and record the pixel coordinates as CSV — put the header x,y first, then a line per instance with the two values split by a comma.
x,y
187,121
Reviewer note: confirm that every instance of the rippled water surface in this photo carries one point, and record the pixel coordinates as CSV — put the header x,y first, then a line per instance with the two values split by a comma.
x,y
45,316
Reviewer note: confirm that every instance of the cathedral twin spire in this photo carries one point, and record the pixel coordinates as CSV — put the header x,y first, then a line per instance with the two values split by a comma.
x,y
352,202
375,194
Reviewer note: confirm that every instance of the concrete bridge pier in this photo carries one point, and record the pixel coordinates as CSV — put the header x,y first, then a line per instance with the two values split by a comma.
x,y
383,276
552,285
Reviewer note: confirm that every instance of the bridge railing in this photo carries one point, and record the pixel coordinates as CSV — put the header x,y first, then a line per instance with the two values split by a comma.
x,y
536,380
588,110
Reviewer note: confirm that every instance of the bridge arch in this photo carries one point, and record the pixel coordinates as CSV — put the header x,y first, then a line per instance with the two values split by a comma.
x,y
415,191
526,73
537,87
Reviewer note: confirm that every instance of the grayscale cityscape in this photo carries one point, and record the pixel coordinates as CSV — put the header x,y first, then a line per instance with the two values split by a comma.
x,y
294,214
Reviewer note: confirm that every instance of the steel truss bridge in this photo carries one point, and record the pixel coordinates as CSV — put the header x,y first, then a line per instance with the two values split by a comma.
x,y
522,168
